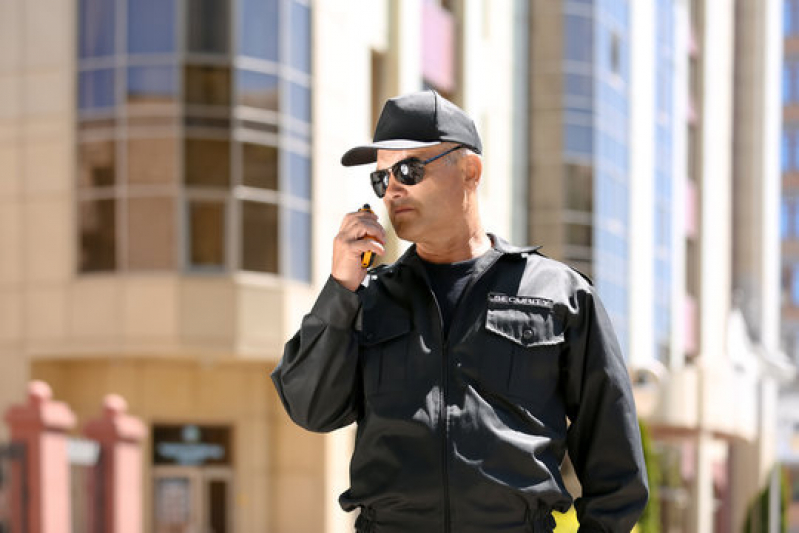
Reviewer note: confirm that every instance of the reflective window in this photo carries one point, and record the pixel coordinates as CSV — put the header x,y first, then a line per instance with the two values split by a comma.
x,y
151,233
257,90
152,84
96,160
206,234
299,178
579,139
578,38
300,102
785,217
207,162
207,85
96,33
96,89
579,185
258,34
259,237
299,245
259,166
300,37
151,26
578,85
207,26
795,286
97,235
152,160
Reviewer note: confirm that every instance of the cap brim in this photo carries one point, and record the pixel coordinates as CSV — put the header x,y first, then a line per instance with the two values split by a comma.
x,y
361,155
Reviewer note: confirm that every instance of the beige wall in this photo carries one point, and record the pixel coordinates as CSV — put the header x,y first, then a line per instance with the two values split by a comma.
x,y
279,468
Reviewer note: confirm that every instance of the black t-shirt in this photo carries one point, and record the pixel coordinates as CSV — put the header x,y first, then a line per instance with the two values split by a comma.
x,y
448,281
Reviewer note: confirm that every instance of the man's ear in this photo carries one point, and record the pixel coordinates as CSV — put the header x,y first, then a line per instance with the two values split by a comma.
x,y
472,169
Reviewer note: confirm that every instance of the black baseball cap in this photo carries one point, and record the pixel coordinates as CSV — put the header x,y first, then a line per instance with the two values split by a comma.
x,y
416,120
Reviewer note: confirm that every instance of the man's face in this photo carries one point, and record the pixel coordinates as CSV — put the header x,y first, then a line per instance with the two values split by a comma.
x,y
430,206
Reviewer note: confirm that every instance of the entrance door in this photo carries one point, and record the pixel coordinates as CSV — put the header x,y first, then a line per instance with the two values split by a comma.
x,y
192,499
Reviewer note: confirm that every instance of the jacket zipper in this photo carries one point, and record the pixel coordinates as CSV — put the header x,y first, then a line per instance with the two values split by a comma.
x,y
443,414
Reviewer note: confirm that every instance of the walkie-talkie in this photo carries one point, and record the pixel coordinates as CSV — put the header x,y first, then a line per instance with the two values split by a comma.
x,y
367,258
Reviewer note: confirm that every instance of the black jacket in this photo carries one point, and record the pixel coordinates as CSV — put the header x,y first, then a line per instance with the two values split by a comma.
x,y
467,433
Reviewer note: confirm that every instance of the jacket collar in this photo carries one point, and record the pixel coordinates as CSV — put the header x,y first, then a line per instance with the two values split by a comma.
x,y
498,244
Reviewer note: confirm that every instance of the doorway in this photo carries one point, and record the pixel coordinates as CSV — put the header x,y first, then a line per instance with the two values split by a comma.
x,y
191,499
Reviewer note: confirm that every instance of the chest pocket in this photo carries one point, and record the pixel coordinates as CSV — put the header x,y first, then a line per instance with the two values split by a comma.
x,y
527,363
384,341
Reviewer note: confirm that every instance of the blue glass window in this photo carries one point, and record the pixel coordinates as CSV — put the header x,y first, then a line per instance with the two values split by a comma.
x,y
579,139
256,89
299,177
299,245
152,83
300,36
96,89
151,26
258,37
96,32
300,102
578,37
784,217
795,285
208,23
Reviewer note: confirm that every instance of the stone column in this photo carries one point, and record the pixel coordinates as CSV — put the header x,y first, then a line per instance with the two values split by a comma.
x,y
119,435
40,426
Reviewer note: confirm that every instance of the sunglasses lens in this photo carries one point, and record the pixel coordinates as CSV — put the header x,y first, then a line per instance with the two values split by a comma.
x,y
409,172
380,182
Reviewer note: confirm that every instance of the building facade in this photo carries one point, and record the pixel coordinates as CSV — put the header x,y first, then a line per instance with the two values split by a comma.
x,y
170,190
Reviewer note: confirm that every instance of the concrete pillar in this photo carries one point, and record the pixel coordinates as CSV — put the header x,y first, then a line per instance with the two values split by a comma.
x,y
40,426
119,435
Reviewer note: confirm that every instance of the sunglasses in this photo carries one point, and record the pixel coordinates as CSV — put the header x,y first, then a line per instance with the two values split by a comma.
x,y
409,171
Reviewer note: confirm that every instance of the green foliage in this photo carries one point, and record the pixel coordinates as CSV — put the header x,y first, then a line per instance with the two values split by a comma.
x,y
650,519
757,516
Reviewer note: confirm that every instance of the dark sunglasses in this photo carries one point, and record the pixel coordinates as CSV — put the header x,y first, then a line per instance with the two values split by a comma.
x,y
409,171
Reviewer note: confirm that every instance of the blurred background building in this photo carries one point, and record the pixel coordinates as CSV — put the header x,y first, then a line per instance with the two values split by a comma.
x,y
170,187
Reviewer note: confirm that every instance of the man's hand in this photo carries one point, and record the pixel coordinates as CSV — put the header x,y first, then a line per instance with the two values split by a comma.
x,y
359,232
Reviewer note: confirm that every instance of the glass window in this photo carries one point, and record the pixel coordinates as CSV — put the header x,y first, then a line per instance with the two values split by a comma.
x,y
579,187
152,84
300,102
151,26
299,178
152,160
579,235
96,89
96,33
300,50
578,85
97,235
795,285
579,139
258,37
151,233
207,162
257,90
259,231
208,23
579,38
784,218
259,166
96,162
299,247
784,155
207,85
206,233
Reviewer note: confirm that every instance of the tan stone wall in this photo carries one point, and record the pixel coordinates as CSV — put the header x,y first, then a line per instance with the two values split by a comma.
x,y
279,468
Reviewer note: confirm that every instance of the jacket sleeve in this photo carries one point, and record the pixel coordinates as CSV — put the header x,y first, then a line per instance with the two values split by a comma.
x,y
317,378
604,438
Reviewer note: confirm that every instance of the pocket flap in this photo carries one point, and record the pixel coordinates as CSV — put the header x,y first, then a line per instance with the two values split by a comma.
x,y
525,325
381,325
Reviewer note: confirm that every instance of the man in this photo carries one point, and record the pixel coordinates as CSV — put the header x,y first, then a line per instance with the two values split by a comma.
x,y
462,362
